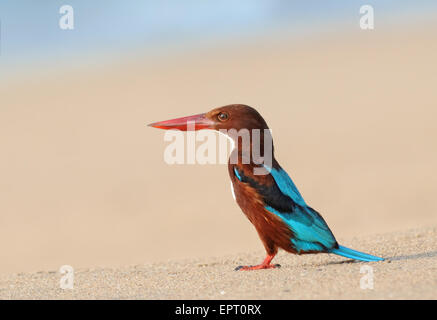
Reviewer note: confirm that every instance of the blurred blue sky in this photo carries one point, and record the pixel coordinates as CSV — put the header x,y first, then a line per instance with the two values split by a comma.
x,y
30,33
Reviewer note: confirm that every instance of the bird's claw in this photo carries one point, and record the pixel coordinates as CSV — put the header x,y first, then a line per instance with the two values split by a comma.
x,y
258,267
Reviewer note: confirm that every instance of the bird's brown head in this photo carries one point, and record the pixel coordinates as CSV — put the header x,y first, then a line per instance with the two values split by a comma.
x,y
234,116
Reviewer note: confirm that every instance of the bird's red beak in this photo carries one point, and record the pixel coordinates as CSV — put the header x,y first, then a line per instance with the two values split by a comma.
x,y
196,122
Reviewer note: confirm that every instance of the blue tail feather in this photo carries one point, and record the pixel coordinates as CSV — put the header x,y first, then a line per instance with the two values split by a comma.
x,y
353,254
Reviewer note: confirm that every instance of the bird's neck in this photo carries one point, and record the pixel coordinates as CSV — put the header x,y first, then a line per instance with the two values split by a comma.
x,y
254,149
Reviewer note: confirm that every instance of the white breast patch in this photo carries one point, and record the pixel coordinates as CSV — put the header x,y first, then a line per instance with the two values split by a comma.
x,y
232,190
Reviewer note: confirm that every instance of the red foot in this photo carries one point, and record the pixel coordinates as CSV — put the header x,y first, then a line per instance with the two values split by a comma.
x,y
264,265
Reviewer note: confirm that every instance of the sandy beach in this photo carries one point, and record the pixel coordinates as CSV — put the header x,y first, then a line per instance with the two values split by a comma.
x,y
409,272
84,183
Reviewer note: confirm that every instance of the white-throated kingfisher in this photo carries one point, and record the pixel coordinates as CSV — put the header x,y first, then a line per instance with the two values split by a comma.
x,y
270,201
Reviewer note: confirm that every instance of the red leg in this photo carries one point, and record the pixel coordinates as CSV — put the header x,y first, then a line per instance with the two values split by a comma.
x,y
264,265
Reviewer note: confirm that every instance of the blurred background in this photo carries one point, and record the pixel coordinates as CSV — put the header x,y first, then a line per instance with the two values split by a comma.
x,y
83,181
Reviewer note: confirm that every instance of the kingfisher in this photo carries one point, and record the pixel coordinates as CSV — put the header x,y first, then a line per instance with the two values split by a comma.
x,y
264,191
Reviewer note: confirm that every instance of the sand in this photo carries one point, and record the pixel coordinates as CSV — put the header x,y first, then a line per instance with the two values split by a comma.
x,y
409,272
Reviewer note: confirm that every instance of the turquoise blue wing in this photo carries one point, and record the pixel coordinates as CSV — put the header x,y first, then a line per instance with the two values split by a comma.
x,y
311,233
286,185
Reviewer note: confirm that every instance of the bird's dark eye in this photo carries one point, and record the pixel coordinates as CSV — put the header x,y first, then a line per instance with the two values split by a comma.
x,y
223,116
